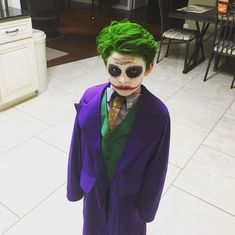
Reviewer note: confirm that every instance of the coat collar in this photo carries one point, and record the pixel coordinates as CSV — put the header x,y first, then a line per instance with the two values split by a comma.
x,y
89,106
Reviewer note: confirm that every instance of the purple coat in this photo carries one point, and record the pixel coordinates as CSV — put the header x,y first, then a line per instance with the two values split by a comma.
x,y
123,206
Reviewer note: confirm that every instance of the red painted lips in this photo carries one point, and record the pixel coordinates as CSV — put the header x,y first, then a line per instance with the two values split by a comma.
x,y
125,88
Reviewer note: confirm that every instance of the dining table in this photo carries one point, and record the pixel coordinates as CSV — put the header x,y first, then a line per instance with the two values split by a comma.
x,y
205,18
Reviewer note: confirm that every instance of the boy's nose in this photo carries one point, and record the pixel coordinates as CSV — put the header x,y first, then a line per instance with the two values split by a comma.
x,y
123,79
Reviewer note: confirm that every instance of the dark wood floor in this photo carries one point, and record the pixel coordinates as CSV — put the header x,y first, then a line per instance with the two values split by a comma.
x,y
78,31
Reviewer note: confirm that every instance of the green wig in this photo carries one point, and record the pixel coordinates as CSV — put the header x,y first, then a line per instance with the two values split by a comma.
x,y
126,38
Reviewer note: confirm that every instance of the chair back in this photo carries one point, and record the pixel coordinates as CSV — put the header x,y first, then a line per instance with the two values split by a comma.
x,y
225,30
164,7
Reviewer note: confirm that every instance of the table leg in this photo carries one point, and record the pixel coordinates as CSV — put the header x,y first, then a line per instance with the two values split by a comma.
x,y
195,60
201,33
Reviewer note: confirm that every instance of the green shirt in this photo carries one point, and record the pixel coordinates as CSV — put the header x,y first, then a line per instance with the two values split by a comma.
x,y
113,143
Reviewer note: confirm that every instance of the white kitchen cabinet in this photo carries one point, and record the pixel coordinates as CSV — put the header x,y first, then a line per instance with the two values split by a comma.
x,y
18,70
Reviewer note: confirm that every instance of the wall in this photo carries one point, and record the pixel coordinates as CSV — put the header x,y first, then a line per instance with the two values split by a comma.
x,y
14,3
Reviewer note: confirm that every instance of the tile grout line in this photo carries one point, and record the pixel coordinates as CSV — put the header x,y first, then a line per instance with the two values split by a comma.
x,y
180,169
188,126
34,207
30,115
222,115
180,89
26,140
37,137
10,210
172,183
204,201
218,150
201,144
49,125
173,164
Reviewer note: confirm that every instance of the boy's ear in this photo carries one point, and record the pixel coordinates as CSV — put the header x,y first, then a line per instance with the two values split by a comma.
x,y
149,69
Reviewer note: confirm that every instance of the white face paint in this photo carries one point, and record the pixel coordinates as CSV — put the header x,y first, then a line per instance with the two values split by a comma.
x,y
126,73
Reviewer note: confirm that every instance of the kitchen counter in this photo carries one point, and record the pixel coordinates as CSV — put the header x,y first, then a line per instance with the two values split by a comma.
x,y
11,13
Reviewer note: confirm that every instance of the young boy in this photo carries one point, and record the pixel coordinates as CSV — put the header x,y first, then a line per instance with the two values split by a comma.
x,y
119,150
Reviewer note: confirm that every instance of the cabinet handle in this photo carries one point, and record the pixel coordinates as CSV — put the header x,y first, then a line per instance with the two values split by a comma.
x,y
12,31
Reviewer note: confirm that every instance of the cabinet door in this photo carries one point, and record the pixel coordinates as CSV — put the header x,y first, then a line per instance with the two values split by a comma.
x,y
18,72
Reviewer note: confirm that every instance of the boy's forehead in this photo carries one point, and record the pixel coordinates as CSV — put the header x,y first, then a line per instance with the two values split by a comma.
x,y
123,59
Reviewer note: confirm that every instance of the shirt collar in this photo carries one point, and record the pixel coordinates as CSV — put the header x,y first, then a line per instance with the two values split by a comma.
x,y
110,92
130,100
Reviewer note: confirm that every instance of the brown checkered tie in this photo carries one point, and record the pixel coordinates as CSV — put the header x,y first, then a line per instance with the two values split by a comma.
x,y
115,106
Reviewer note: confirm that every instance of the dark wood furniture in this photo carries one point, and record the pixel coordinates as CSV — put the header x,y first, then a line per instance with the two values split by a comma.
x,y
224,37
206,18
170,32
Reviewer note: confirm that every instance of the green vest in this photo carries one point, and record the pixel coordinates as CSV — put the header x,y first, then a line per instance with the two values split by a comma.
x,y
113,143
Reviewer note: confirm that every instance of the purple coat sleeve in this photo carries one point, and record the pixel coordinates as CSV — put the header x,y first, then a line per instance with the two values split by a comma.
x,y
154,178
74,191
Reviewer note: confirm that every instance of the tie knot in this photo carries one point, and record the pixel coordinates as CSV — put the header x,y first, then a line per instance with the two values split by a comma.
x,y
117,101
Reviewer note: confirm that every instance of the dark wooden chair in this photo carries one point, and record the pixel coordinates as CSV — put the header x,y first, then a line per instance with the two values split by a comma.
x,y
224,39
170,33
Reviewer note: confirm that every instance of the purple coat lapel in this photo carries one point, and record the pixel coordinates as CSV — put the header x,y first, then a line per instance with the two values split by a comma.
x,y
89,119
142,132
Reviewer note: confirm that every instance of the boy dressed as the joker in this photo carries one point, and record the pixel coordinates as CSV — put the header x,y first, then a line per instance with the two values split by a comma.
x,y
119,149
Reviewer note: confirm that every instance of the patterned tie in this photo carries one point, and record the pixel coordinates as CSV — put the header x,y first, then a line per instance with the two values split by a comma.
x,y
115,107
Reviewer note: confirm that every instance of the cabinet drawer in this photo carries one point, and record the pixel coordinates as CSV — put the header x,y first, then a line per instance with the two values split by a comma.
x,y
15,30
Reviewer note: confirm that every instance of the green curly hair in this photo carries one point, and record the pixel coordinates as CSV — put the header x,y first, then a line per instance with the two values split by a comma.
x,y
127,38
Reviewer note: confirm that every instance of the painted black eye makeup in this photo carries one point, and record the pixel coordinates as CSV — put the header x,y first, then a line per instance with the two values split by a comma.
x,y
134,72
131,72
114,70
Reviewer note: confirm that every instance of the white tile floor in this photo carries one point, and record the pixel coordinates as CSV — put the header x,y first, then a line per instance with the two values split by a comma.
x,y
199,194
